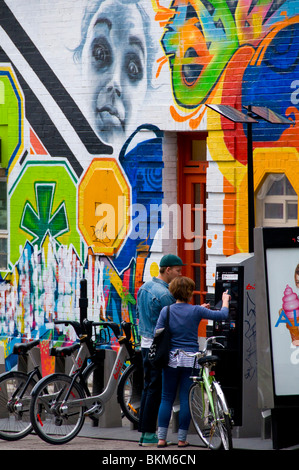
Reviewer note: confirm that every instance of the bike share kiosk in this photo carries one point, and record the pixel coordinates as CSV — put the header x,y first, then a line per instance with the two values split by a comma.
x,y
106,357
236,369
277,313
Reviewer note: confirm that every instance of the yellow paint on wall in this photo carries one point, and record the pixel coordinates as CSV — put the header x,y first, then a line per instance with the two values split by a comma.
x,y
18,124
154,269
236,175
276,160
265,161
123,293
104,201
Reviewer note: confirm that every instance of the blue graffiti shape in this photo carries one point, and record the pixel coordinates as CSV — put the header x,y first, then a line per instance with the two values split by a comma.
x,y
143,167
273,77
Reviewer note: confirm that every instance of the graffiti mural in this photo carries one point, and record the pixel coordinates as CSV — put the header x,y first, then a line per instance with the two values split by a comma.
x,y
65,171
234,53
86,96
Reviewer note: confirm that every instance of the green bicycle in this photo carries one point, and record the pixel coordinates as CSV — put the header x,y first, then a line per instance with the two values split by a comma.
x,y
209,411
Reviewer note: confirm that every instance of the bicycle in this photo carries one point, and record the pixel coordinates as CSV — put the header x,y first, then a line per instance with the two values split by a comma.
x,y
60,402
15,391
208,407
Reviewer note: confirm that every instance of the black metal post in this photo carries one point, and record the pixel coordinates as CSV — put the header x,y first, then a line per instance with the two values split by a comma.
x,y
83,301
250,183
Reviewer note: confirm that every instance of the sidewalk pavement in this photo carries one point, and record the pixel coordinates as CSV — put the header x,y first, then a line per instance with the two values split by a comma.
x,y
127,433
122,440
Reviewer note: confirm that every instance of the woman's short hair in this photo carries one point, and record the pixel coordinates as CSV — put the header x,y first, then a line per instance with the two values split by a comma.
x,y
182,288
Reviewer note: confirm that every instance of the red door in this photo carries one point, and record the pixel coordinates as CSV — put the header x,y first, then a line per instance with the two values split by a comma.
x,y
192,166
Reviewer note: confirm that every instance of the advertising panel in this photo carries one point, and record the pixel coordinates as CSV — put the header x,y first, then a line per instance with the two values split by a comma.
x,y
281,251
283,292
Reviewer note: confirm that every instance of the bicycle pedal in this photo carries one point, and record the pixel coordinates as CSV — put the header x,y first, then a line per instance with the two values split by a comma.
x,y
195,378
95,409
94,421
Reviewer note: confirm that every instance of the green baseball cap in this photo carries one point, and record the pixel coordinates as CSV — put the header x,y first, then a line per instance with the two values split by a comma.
x,y
170,260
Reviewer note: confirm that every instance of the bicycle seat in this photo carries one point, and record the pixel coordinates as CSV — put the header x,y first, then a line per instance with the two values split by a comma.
x,y
23,348
207,360
63,351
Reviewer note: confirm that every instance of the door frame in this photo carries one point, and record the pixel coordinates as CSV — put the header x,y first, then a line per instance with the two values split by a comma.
x,y
191,171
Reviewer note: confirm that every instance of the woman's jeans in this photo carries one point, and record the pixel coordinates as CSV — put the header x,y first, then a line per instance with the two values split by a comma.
x,y
151,396
172,380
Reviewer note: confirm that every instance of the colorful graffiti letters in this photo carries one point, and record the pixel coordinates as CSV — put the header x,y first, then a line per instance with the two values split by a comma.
x,y
198,42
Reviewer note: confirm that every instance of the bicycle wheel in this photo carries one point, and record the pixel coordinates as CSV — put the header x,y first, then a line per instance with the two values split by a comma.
x,y
14,412
222,417
203,417
53,423
129,392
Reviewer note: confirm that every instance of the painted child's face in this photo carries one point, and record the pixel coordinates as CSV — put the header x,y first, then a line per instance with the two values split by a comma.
x,y
114,65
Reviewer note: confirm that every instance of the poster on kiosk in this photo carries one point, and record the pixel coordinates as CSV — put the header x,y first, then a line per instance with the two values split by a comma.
x,y
277,255
283,294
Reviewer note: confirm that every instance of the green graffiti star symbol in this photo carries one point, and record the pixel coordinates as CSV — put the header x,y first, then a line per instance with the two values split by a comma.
x,y
41,222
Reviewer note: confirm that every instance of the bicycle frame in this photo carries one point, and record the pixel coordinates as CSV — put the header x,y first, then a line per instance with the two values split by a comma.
x,y
82,355
92,403
35,371
106,394
208,380
209,410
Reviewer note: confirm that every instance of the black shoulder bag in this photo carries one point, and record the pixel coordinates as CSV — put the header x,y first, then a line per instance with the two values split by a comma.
x,y
159,351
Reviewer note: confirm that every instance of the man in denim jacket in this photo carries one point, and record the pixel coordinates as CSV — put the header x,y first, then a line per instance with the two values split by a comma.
x,y
151,298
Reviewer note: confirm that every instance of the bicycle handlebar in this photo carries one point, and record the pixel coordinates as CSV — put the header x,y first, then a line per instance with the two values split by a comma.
x,y
127,329
211,339
87,324
114,326
76,325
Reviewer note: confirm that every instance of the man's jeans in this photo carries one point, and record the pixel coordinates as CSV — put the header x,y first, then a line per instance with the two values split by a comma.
x,y
151,396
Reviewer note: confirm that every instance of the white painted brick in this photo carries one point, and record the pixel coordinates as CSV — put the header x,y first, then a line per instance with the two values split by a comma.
x,y
214,178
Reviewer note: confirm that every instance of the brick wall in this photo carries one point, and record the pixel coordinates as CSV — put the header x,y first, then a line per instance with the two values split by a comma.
x,y
63,157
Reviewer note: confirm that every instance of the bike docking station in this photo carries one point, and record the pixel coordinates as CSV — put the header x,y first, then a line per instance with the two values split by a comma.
x,y
2,359
26,362
277,330
65,359
106,356
236,370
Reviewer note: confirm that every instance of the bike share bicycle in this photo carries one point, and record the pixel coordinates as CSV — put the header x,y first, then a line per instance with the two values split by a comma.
x,y
208,407
15,390
16,387
60,402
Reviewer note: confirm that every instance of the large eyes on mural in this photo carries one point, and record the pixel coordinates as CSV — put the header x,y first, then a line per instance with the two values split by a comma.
x,y
191,70
101,52
282,54
133,67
